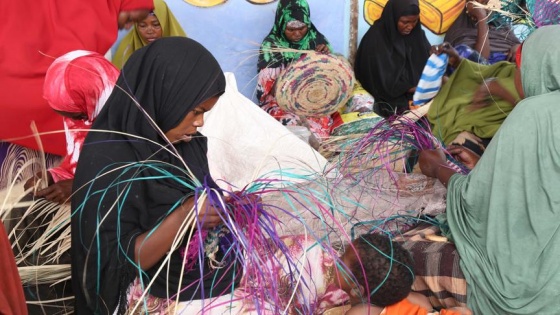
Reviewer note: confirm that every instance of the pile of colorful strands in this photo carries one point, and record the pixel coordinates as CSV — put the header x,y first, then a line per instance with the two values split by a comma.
x,y
315,85
544,12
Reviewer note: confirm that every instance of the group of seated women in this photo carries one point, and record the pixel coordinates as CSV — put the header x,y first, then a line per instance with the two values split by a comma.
x,y
389,63
142,192
477,97
88,79
142,177
124,230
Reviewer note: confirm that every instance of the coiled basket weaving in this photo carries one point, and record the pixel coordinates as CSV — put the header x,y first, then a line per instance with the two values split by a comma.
x,y
315,85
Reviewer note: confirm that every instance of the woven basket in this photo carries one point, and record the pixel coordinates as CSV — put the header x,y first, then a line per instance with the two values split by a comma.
x,y
315,85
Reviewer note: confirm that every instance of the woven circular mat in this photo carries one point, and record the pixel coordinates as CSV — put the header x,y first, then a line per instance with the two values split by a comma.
x,y
315,85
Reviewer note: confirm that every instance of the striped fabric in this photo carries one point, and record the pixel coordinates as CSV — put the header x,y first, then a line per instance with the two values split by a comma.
x,y
436,266
430,81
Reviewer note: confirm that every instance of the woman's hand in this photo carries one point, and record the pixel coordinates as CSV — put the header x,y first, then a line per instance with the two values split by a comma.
x,y
446,48
475,11
30,182
208,213
33,181
322,48
491,89
244,208
482,96
430,161
152,245
464,155
59,192
433,163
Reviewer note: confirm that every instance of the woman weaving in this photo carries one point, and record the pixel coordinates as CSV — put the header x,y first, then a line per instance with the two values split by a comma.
x,y
391,57
291,35
503,216
116,237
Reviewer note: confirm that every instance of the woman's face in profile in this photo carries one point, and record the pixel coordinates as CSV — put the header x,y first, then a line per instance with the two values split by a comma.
x,y
149,29
194,119
293,34
406,23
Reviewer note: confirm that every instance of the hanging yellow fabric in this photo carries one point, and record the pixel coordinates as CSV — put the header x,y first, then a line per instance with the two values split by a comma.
x,y
436,15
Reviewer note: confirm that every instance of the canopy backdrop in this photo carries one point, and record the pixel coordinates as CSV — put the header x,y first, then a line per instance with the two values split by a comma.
x,y
233,30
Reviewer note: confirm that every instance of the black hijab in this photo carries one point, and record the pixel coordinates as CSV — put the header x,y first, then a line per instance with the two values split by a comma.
x,y
168,78
387,63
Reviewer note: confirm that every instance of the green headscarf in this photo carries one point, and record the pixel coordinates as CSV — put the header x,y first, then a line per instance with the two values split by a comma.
x,y
288,10
505,215
133,41
450,114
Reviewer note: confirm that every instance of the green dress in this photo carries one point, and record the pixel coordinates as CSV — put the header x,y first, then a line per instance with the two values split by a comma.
x,y
505,215
449,113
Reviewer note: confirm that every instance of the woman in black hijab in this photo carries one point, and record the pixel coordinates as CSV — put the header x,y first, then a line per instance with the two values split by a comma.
x,y
132,187
392,55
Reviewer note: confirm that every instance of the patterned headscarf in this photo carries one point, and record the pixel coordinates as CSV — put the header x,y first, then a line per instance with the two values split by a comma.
x,y
77,82
287,11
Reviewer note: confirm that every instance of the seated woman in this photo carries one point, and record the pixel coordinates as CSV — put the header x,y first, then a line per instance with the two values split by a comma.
x,y
76,86
292,31
473,103
132,188
504,215
159,23
391,57
481,39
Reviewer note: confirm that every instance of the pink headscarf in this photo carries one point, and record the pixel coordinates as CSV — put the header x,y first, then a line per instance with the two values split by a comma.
x,y
78,82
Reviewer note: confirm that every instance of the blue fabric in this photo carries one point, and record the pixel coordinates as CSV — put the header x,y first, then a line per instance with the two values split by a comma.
x,y
430,80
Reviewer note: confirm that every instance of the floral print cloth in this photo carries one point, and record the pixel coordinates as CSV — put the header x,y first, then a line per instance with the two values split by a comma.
x,y
300,278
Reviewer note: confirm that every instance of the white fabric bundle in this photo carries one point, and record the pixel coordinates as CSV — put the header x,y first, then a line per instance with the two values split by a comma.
x,y
246,143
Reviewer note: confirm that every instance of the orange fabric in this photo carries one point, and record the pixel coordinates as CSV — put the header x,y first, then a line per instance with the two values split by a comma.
x,y
518,56
33,34
405,307
12,300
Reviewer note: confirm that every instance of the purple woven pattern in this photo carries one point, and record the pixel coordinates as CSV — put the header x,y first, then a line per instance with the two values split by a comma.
x,y
315,85
546,12
19,163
